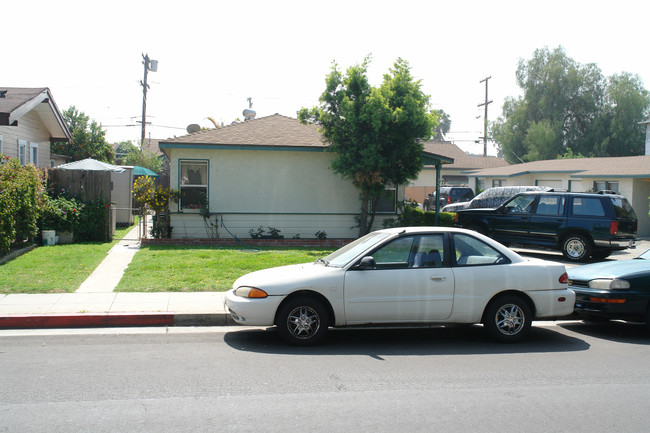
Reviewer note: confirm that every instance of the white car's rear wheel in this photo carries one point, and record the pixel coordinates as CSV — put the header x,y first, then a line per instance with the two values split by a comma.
x,y
303,321
508,318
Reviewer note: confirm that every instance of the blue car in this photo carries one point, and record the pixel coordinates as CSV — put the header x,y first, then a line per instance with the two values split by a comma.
x,y
613,290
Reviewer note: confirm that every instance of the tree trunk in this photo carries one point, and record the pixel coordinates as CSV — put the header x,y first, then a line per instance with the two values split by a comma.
x,y
363,218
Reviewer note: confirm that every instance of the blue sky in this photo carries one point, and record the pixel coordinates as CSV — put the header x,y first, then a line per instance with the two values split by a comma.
x,y
214,55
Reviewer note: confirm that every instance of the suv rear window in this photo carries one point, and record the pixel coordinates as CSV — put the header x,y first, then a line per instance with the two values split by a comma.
x,y
623,208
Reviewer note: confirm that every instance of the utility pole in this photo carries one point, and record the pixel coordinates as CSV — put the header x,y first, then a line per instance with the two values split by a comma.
x,y
485,117
149,65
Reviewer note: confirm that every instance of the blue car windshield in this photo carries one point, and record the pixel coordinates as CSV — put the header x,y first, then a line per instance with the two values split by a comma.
x,y
344,255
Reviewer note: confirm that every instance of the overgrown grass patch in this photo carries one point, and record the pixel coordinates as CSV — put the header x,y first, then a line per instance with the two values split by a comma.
x,y
197,269
54,269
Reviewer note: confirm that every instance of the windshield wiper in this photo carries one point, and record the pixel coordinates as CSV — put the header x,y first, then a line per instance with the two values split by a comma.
x,y
323,261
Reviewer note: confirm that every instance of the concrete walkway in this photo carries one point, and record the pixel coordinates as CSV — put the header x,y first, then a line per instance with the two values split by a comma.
x,y
110,271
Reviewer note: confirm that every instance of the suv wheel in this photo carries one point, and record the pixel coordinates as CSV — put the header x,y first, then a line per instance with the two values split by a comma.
x,y
576,248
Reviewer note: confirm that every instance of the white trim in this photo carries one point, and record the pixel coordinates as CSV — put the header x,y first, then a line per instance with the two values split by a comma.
x,y
22,151
2,144
33,153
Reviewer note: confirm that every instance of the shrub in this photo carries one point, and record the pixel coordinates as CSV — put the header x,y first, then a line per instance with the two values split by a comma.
x,y
20,202
91,221
60,213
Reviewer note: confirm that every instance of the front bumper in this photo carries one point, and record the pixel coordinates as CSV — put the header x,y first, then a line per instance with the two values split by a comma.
x,y
610,304
252,311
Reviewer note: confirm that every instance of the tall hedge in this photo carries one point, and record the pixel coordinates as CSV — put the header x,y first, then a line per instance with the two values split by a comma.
x,y
413,216
21,191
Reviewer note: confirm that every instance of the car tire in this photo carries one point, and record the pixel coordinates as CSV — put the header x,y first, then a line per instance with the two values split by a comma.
x,y
303,321
576,248
508,318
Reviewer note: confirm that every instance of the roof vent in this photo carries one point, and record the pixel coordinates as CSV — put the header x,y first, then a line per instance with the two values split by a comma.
x,y
3,93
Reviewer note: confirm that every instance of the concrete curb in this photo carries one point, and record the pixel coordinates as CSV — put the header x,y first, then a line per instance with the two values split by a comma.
x,y
86,320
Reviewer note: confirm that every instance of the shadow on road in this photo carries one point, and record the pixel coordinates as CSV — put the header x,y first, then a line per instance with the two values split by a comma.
x,y
376,342
621,332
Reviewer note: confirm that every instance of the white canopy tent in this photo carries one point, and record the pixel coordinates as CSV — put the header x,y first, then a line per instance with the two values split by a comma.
x,y
90,164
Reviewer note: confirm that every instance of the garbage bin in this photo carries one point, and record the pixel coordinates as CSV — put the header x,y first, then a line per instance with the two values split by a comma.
x,y
49,237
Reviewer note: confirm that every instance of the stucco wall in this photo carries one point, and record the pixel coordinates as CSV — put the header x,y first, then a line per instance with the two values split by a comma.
x,y
293,191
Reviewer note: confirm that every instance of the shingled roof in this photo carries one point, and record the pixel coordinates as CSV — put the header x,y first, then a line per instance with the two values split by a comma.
x,y
274,130
622,166
16,102
462,161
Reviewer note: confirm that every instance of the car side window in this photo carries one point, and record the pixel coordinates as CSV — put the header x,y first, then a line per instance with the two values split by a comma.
x,y
418,251
587,206
395,254
428,252
521,204
550,205
470,251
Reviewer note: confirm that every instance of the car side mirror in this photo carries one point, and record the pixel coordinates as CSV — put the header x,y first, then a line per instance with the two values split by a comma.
x,y
367,263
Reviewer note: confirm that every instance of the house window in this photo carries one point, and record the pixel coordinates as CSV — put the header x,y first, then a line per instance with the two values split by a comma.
x,y
33,153
387,202
497,182
603,185
22,152
193,184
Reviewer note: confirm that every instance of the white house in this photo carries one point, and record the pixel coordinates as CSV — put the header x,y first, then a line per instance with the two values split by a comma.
x,y
270,172
29,122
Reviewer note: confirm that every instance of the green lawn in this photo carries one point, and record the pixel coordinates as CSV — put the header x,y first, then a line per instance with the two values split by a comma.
x,y
54,269
198,269
62,268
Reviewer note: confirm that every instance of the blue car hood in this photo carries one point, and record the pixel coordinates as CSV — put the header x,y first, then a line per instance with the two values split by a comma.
x,y
610,269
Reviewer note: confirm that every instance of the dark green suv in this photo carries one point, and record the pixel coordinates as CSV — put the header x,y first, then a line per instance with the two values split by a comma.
x,y
581,225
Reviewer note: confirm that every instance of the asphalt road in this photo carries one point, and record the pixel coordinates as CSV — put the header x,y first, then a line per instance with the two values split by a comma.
x,y
568,376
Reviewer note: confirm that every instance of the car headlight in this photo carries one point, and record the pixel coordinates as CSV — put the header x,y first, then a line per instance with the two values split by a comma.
x,y
607,284
250,292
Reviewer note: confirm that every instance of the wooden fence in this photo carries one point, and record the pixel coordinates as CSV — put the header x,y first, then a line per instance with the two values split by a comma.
x,y
89,185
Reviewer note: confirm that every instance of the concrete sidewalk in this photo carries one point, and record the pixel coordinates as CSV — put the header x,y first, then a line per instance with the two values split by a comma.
x,y
96,304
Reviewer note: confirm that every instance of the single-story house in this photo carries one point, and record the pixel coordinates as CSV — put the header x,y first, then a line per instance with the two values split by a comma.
x,y
455,174
29,122
628,176
270,172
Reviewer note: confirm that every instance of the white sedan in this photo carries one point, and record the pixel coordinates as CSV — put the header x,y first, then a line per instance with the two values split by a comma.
x,y
415,275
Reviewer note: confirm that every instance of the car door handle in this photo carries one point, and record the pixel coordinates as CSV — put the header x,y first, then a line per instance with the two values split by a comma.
x,y
438,279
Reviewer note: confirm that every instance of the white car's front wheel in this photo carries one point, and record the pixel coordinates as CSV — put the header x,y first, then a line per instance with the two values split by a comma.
x,y
303,321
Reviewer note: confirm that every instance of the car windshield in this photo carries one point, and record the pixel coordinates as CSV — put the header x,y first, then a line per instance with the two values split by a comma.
x,y
342,256
645,255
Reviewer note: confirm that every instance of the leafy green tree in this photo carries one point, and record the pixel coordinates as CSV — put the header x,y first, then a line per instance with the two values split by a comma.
x,y
566,105
443,127
376,133
88,138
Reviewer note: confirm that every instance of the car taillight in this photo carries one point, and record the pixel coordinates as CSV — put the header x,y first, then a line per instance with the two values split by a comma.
x,y
448,199
456,217
564,278
613,227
